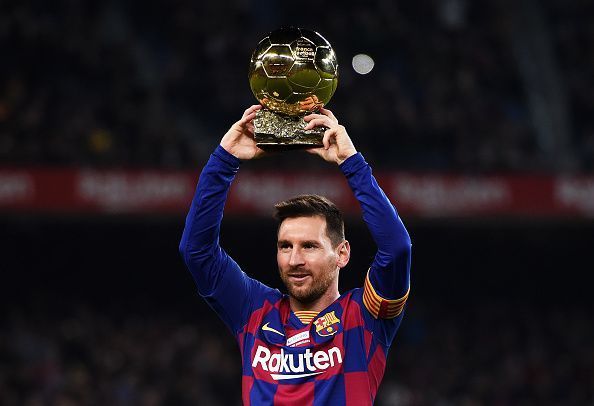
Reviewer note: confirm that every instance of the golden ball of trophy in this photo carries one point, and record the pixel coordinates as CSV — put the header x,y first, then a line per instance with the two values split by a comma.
x,y
293,72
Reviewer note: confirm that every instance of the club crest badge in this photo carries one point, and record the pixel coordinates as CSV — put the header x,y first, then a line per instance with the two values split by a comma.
x,y
327,325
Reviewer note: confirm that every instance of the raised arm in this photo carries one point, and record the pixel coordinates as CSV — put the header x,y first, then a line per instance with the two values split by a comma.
x,y
219,279
387,283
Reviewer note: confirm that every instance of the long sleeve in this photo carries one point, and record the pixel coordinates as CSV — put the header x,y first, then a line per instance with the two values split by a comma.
x,y
222,283
388,280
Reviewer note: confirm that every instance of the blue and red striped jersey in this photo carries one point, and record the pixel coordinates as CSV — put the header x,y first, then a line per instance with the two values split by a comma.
x,y
339,357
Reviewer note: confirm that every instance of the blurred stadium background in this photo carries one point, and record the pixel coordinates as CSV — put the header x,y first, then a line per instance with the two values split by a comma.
x,y
478,117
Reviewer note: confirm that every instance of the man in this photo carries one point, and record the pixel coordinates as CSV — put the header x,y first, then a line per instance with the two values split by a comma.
x,y
313,346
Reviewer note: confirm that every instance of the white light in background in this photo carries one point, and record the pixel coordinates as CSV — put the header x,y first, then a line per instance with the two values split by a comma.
x,y
363,64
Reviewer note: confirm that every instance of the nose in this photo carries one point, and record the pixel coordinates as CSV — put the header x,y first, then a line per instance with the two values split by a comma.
x,y
296,258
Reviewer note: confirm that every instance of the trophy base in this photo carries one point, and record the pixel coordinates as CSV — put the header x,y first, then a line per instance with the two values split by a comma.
x,y
274,131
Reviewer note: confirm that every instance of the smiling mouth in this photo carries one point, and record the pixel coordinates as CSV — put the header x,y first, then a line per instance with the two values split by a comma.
x,y
298,278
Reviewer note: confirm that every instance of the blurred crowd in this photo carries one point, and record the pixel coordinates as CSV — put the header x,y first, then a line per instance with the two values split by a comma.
x,y
96,359
573,36
494,353
486,355
131,83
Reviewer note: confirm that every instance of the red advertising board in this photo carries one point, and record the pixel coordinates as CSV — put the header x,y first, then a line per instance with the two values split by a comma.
x,y
419,195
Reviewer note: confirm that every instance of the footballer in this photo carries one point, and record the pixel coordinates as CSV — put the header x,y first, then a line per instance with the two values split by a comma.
x,y
314,345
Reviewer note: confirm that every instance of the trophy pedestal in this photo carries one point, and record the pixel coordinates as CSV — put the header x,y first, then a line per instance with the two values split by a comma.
x,y
279,131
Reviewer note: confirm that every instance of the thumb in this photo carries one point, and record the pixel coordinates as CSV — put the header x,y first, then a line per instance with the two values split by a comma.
x,y
315,151
328,134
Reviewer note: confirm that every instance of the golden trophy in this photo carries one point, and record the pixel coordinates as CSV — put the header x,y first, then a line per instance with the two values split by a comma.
x,y
293,72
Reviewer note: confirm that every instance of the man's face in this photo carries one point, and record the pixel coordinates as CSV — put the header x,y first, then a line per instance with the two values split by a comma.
x,y
307,262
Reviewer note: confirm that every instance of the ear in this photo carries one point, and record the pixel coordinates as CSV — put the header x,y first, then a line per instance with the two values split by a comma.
x,y
344,254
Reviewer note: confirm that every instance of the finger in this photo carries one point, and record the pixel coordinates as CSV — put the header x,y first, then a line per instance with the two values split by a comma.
x,y
310,117
252,109
315,151
324,121
328,113
246,112
247,118
328,134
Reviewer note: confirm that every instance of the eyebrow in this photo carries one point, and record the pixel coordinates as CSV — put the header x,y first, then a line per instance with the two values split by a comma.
x,y
311,242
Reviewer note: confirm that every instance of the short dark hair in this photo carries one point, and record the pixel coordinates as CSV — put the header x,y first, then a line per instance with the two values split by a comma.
x,y
310,206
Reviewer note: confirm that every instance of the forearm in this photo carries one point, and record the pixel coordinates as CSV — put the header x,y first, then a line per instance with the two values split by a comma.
x,y
222,283
390,269
200,240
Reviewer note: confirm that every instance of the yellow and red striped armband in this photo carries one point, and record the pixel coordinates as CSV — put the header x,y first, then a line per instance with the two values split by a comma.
x,y
379,307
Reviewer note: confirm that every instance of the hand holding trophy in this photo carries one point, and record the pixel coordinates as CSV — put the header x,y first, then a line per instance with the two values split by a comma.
x,y
293,72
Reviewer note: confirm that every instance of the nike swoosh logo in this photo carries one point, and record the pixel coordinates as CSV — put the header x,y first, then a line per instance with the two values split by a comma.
x,y
266,328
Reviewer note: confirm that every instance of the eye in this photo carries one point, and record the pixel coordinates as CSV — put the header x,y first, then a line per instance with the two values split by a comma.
x,y
284,246
309,245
